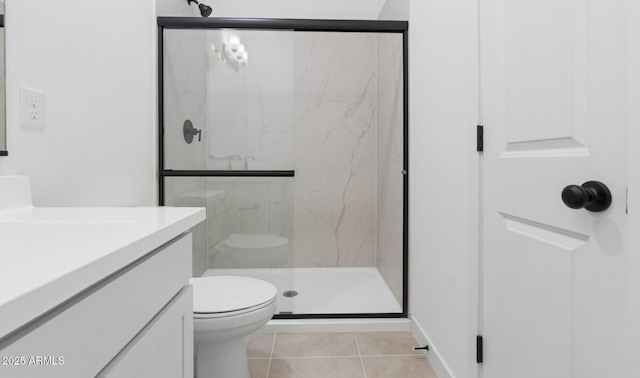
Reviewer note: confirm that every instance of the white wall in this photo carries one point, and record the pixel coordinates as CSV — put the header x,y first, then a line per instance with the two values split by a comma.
x,y
175,8
443,178
96,66
394,10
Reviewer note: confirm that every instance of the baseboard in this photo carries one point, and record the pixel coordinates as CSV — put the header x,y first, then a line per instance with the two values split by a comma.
x,y
436,360
336,325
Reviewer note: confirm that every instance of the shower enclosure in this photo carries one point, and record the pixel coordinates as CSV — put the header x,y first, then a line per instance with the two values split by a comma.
x,y
293,135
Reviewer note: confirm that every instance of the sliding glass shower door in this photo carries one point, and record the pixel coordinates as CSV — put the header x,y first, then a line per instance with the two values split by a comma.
x,y
228,146
294,139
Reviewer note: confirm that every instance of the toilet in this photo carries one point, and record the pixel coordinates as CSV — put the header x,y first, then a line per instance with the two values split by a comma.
x,y
225,310
256,250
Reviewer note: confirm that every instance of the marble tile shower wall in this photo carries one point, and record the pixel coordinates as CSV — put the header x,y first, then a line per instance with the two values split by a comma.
x,y
335,149
306,101
312,102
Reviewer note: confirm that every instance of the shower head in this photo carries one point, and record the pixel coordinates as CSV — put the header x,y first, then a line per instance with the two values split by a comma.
x,y
205,10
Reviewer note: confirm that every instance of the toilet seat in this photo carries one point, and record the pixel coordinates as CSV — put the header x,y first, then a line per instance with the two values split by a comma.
x,y
229,314
225,296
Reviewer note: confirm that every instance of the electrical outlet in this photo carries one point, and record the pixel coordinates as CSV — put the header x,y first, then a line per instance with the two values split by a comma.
x,y
32,107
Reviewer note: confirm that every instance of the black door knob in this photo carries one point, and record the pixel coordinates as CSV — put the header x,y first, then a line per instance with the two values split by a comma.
x,y
592,195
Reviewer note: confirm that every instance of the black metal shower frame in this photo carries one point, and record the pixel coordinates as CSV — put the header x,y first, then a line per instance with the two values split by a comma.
x,y
3,152
307,25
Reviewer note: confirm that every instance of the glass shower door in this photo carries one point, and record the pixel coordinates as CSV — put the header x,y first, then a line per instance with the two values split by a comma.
x,y
292,139
228,121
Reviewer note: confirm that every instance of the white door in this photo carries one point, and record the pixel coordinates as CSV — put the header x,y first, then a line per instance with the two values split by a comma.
x,y
555,280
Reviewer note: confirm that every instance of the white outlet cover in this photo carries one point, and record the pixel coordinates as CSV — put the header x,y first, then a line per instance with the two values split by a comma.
x,y
32,107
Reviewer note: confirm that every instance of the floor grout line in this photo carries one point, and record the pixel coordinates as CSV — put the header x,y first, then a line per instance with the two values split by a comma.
x,y
311,357
273,346
395,355
355,337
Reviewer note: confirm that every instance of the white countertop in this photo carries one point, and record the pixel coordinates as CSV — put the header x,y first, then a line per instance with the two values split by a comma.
x,y
48,255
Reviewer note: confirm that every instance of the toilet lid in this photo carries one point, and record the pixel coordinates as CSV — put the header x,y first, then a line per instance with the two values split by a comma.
x,y
216,294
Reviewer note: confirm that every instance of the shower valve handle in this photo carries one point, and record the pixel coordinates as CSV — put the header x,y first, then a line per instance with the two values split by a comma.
x,y
188,131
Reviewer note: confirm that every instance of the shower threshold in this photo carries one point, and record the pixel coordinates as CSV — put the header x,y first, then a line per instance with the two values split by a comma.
x,y
325,290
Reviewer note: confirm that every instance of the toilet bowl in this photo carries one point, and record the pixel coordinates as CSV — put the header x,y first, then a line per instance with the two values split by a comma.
x,y
225,310
256,250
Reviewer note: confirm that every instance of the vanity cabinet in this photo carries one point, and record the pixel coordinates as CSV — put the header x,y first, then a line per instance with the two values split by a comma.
x,y
137,322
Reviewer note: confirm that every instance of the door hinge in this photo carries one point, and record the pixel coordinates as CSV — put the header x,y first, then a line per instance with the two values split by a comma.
x,y
480,138
479,356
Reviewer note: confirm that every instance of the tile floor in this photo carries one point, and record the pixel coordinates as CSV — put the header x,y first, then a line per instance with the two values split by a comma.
x,y
336,355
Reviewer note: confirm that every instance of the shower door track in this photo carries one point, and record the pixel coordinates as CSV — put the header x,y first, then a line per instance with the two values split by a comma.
x,y
306,25
353,26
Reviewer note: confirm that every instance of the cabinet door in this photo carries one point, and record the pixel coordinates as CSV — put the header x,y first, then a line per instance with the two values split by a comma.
x,y
164,348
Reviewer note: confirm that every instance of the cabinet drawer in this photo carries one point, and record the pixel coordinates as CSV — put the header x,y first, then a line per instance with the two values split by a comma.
x,y
164,349
80,338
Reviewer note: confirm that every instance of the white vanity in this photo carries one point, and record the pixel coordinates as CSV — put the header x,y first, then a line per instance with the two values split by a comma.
x,y
88,292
